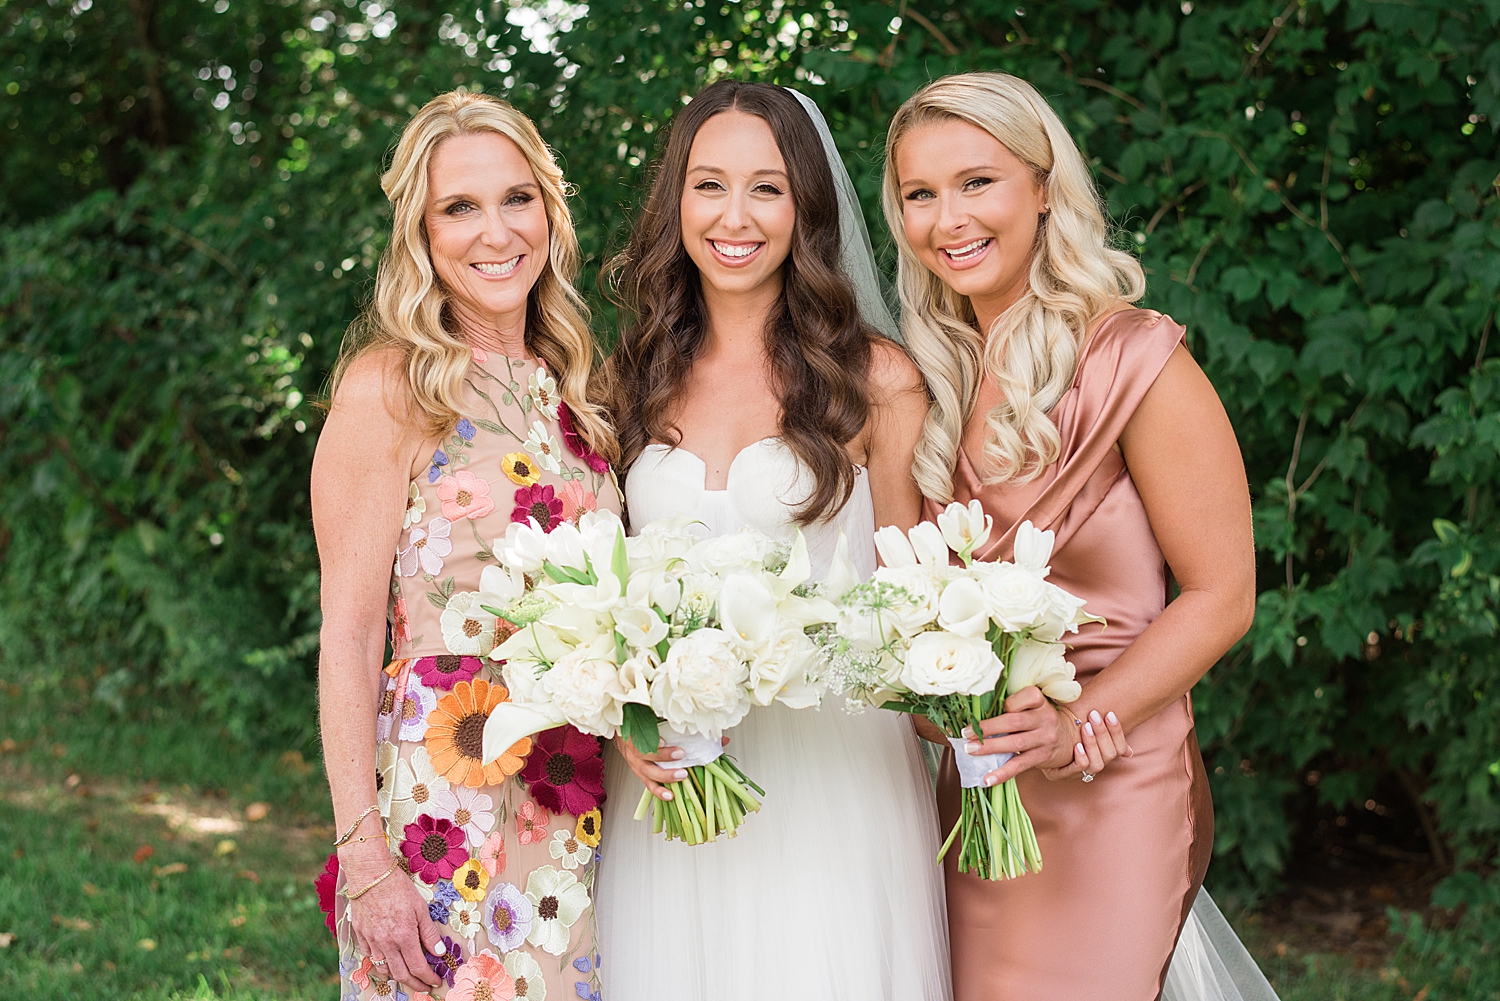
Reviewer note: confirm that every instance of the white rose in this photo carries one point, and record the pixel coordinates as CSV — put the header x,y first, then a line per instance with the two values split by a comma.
x,y
962,608
585,686
940,663
745,550
923,588
662,543
1017,598
700,687
779,672
1042,665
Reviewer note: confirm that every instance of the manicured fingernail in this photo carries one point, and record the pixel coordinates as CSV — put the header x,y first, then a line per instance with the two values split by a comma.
x,y
1088,728
666,794
680,774
679,753
972,747
1095,717
440,950
1078,750
968,731
989,779
1113,719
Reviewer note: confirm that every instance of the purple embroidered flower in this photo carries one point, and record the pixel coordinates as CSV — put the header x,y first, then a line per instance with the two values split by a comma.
x,y
507,917
439,460
575,441
446,671
582,965
447,964
465,430
539,501
437,910
445,891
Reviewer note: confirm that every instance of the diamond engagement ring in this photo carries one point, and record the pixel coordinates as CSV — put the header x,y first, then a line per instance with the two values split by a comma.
x,y
379,962
1088,776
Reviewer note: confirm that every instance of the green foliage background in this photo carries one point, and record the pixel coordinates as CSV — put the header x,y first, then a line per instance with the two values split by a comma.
x,y
190,215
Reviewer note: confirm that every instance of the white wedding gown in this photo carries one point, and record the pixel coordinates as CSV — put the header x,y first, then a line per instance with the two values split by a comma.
x,y
831,891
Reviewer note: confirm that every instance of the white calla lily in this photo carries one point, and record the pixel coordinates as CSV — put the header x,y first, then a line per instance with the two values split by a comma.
x,y
511,721
1043,665
841,574
962,609
641,628
747,611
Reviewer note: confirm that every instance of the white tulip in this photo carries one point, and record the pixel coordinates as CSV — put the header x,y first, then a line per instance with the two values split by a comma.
x,y
524,546
640,627
565,547
927,542
894,549
841,575
1042,665
499,586
1034,548
962,608
965,529
940,663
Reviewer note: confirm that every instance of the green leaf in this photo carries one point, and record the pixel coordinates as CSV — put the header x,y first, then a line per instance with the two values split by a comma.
x,y
619,563
641,727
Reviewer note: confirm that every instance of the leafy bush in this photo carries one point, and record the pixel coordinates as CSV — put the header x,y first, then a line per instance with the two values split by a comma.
x,y
192,216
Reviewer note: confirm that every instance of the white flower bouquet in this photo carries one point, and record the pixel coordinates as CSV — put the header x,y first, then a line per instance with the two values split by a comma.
x,y
950,643
661,631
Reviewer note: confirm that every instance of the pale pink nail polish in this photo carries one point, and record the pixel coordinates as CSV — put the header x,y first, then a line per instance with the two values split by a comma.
x,y
679,753
972,747
989,779
1088,728
1095,716
679,775
667,795
1113,719
1078,748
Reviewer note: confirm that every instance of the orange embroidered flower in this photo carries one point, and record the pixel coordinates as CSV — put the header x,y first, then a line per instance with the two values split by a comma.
x,y
455,736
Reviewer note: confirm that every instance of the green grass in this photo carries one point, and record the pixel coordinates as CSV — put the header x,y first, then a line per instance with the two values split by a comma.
x,y
213,912
81,790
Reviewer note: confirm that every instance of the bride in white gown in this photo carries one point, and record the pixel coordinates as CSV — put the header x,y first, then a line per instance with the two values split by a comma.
x,y
830,891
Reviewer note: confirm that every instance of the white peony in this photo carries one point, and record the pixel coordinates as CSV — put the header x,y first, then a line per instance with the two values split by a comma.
x,y
939,663
962,608
585,686
700,687
1017,598
743,550
1042,665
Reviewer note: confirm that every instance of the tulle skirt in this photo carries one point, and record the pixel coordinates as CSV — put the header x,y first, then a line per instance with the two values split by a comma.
x,y
829,892
1210,963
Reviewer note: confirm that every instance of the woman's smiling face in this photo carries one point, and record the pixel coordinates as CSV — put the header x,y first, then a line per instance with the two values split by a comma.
x,y
737,208
487,231
969,208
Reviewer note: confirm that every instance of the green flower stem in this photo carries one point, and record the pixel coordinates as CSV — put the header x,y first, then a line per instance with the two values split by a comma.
x,y
644,804
712,800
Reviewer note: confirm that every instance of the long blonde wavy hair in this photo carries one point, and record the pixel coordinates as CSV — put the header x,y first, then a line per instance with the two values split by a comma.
x,y
410,309
1031,350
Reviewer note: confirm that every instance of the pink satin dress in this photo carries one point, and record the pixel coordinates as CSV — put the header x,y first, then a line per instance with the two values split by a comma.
x,y
1123,856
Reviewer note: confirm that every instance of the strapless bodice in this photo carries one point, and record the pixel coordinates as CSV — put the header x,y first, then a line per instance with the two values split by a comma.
x,y
766,484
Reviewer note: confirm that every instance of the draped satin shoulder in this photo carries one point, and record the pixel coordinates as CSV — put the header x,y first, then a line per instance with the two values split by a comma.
x,y
1126,854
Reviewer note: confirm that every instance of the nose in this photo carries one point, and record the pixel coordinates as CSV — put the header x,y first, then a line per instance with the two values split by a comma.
x,y
496,234
951,216
736,211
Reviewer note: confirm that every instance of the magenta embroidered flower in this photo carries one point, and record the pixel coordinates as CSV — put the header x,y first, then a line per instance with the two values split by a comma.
x,y
565,771
575,442
447,964
434,848
465,495
325,885
539,501
446,671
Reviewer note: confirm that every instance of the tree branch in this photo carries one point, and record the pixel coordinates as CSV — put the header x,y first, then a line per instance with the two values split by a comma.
x,y
1265,43
934,31
1084,81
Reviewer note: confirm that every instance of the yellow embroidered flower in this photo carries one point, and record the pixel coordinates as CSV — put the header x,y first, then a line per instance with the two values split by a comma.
x,y
470,880
588,828
521,468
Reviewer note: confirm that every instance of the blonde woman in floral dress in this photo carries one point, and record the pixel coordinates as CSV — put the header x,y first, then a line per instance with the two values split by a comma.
x,y
459,408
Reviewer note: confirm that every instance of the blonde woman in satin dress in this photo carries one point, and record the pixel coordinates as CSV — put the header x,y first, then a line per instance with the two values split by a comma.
x,y
1057,401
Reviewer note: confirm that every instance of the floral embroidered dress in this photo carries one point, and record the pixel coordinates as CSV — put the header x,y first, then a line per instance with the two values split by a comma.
x,y
503,852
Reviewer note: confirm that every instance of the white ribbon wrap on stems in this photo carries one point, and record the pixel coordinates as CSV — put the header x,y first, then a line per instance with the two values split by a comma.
x,y
697,749
972,768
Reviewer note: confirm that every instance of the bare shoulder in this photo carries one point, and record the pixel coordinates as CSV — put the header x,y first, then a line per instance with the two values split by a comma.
x,y
370,414
373,387
892,372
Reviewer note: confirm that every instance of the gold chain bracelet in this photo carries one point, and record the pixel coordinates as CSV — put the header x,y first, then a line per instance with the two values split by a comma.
x,y
378,880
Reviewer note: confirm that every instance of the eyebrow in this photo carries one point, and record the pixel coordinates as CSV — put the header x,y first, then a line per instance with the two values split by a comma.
x,y
523,186
710,169
979,168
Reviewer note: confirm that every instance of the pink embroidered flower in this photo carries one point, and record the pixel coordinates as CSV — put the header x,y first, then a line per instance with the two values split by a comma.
x,y
446,671
325,884
565,771
481,356
575,441
539,501
434,848
467,808
531,823
577,502
483,978
361,973
400,623
492,853
465,495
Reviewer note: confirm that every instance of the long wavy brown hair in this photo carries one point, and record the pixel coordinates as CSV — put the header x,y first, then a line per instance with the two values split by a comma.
x,y
818,348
